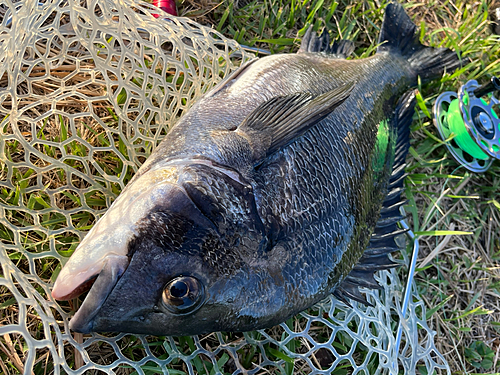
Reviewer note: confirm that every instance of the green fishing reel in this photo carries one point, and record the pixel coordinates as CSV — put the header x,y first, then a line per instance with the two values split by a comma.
x,y
470,121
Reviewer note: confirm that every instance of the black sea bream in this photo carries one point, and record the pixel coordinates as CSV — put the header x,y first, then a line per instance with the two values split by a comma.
x,y
279,187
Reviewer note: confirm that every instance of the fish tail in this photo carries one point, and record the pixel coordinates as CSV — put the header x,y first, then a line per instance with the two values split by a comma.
x,y
399,35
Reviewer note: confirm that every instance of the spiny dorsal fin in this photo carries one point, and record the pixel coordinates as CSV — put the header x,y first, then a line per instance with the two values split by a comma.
x,y
340,49
282,119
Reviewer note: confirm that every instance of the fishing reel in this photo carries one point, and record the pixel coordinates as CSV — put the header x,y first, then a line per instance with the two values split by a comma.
x,y
472,116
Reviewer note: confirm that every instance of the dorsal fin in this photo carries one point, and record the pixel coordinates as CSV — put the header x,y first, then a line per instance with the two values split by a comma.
x,y
384,239
311,43
282,119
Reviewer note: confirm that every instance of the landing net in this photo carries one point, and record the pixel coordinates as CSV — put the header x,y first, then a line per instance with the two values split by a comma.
x,y
87,91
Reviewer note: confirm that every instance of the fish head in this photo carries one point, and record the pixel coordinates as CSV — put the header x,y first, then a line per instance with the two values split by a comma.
x,y
175,255
171,293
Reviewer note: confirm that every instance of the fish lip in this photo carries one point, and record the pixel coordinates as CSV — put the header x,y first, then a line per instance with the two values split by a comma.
x,y
78,324
61,290
80,289
114,267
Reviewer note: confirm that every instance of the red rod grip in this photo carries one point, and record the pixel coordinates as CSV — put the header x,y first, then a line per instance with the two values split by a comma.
x,y
165,5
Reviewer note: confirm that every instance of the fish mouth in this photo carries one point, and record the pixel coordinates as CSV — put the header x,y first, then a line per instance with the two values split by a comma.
x,y
114,267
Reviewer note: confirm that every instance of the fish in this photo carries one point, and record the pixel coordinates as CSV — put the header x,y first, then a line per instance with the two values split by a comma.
x,y
279,187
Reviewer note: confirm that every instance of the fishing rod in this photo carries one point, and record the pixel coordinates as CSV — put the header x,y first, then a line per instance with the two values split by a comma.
x,y
468,121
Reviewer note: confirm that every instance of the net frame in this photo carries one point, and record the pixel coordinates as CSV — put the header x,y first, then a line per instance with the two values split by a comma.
x,y
87,91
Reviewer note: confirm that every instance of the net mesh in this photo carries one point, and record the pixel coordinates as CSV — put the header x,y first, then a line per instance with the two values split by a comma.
x,y
87,91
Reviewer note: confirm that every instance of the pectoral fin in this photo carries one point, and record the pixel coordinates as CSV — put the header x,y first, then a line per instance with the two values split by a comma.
x,y
282,119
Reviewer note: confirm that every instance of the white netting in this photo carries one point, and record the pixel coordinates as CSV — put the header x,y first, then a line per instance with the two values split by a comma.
x,y
87,91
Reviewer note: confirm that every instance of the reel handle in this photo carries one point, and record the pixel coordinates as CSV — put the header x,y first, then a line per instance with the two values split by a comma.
x,y
492,85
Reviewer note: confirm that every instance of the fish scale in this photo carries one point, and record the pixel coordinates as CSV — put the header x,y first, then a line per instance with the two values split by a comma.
x,y
299,171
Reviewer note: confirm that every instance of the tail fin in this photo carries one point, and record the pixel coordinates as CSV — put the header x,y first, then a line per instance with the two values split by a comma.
x,y
399,35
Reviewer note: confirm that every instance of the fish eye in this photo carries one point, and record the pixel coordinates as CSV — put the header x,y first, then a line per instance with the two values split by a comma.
x,y
182,294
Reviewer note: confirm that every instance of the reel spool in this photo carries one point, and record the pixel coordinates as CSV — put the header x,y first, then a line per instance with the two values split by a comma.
x,y
470,115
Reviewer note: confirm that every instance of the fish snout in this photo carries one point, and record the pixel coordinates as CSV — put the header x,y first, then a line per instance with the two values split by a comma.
x,y
114,267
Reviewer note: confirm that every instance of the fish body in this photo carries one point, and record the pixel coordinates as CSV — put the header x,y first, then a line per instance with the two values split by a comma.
x,y
263,199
